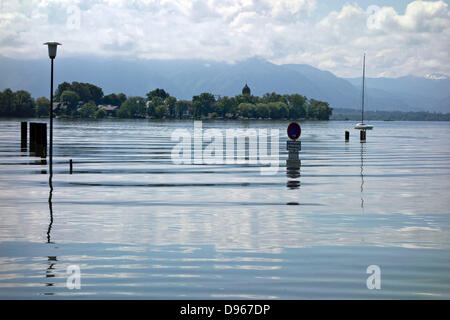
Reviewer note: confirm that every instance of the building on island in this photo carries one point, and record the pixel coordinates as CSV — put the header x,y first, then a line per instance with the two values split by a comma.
x,y
110,110
246,90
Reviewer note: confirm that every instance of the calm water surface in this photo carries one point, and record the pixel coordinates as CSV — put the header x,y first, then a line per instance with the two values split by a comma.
x,y
142,227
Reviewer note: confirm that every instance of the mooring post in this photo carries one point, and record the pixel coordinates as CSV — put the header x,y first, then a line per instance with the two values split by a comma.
x,y
71,166
43,139
23,134
362,135
347,136
32,140
38,139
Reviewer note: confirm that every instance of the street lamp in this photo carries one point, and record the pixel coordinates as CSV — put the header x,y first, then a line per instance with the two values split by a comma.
x,y
52,46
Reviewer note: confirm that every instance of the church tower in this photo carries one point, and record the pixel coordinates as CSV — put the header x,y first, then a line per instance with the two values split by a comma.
x,y
246,90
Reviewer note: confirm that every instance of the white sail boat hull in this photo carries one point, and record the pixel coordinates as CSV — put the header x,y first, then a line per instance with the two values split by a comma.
x,y
363,126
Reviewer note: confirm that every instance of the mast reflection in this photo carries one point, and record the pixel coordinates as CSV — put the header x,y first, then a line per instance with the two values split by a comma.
x,y
363,151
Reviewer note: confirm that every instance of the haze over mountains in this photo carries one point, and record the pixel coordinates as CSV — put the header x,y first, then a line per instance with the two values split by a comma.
x,y
185,78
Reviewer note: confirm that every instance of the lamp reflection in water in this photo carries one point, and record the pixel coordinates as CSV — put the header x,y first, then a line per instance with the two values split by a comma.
x,y
50,208
51,259
50,273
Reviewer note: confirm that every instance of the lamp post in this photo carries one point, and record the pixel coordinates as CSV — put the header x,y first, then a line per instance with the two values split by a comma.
x,y
52,46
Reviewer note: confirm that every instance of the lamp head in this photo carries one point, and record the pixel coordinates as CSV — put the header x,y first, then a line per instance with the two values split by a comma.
x,y
52,49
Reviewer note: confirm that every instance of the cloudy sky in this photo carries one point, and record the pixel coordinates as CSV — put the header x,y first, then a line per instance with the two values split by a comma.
x,y
400,37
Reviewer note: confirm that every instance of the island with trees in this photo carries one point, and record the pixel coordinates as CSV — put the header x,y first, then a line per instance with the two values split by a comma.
x,y
85,100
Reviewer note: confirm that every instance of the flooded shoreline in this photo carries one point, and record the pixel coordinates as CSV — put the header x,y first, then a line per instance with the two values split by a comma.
x,y
140,226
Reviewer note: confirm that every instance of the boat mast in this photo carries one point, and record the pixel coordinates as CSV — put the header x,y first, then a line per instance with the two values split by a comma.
x,y
364,75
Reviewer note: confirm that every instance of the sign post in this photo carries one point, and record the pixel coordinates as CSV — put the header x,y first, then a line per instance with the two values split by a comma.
x,y
293,146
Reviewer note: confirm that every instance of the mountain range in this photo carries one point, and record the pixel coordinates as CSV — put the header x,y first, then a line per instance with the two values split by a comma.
x,y
186,78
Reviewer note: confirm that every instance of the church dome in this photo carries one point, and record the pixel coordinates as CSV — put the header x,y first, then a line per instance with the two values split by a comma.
x,y
246,90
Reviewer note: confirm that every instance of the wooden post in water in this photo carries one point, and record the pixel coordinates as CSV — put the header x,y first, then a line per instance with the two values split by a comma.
x,y
362,135
42,140
38,139
71,166
347,136
23,134
32,140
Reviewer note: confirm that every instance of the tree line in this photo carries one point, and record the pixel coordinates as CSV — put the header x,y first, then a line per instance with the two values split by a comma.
x,y
82,100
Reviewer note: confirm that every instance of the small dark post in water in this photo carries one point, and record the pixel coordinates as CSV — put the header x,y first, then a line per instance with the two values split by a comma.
x,y
23,134
42,140
347,135
38,139
32,136
71,166
362,135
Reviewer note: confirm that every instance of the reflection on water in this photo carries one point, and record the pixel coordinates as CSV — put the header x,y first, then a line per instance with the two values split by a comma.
x,y
362,175
293,174
140,226
50,209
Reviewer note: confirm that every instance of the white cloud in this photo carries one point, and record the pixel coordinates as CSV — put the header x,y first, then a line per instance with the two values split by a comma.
x,y
416,42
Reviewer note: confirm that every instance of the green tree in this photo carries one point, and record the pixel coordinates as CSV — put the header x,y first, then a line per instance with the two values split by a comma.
x,y
274,109
82,90
70,98
133,107
122,97
153,103
246,110
170,103
161,111
271,97
278,110
243,98
319,110
123,113
16,104
6,102
224,106
100,113
96,93
181,107
284,110
23,104
87,110
203,104
65,86
296,106
42,106
262,110
111,99
157,93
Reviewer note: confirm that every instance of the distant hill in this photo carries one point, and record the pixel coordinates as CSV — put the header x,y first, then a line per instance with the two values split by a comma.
x,y
185,78
417,93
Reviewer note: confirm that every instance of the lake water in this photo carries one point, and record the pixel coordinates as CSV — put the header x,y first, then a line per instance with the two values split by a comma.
x,y
139,226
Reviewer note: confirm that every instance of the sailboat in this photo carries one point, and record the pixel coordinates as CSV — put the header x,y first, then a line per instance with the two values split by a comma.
x,y
362,125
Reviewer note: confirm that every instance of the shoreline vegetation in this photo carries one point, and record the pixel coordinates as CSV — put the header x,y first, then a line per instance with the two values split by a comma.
x,y
85,100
